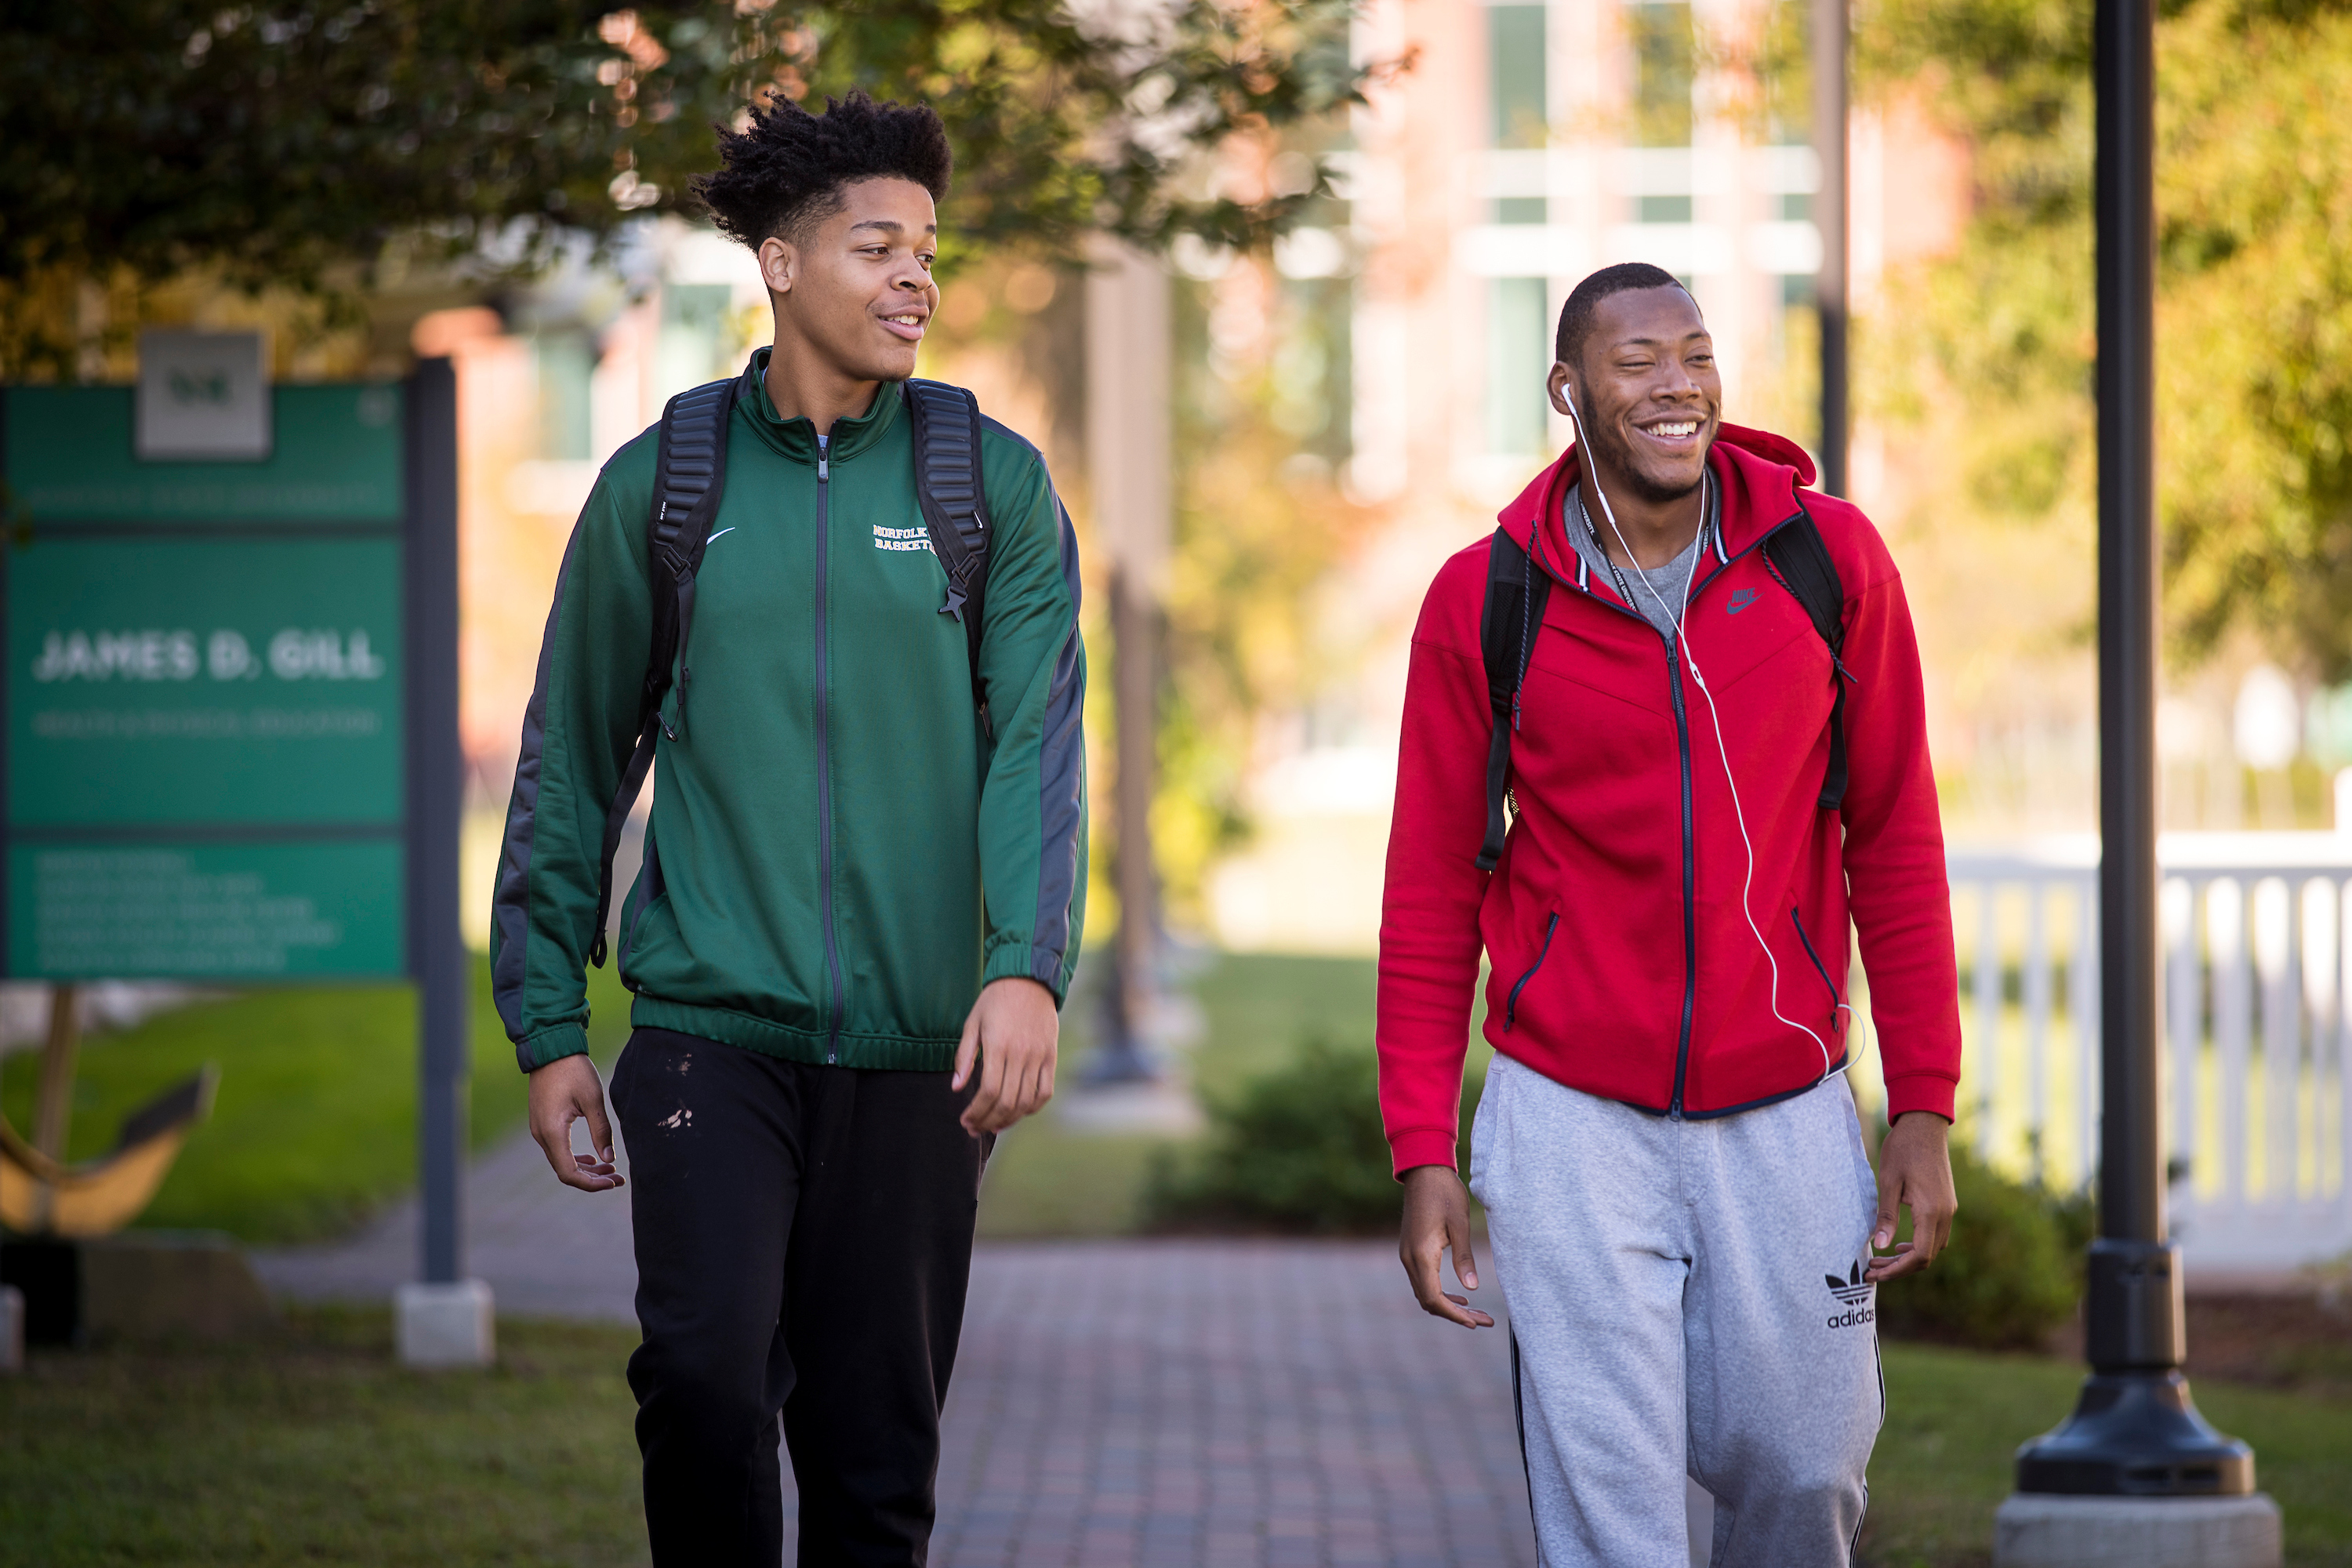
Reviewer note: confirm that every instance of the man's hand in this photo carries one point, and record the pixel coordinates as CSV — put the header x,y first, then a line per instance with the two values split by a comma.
x,y
1915,1171
1437,1217
1012,1036
566,1090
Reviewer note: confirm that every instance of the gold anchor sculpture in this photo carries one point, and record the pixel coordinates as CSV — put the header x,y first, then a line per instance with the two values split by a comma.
x,y
41,1195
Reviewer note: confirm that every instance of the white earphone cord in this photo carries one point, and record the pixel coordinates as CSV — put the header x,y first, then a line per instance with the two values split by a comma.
x,y
1682,645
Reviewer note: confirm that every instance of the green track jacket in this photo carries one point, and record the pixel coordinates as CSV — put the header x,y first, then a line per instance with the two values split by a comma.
x,y
838,858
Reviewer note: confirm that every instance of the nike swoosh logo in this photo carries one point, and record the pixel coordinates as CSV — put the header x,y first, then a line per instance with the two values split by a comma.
x,y
1741,599
707,544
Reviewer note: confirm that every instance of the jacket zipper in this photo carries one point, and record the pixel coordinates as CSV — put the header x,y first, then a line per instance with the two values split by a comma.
x,y
1690,886
1511,1007
1690,856
824,759
1820,968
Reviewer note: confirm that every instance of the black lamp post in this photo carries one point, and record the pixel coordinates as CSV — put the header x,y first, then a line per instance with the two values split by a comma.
x,y
1831,26
2136,1433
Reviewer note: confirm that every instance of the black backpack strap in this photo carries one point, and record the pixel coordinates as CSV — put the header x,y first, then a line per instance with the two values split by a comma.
x,y
1516,596
690,481
946,422
1800,560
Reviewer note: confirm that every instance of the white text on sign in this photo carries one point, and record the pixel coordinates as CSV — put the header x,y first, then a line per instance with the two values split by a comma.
x,y
297,653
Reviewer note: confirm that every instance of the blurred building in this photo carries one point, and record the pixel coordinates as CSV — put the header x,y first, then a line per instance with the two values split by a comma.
x,y
1527,146
550,383
1405,330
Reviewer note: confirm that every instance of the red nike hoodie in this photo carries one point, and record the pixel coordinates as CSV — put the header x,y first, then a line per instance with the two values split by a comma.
x,y
1622,964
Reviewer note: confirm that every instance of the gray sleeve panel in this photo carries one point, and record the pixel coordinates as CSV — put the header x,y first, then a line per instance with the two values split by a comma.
x,y
1062,792
511,904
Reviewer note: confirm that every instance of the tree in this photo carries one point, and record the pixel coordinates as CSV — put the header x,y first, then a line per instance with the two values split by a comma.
x,y
290,144
2254,313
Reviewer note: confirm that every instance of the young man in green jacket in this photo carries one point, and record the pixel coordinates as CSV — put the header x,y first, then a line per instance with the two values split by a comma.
x,y
860,901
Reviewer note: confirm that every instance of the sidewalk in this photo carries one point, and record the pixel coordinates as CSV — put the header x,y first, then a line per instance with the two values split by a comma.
x,y
1226,1403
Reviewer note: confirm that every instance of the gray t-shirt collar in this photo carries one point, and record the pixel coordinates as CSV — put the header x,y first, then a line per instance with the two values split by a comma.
x,y
1661,600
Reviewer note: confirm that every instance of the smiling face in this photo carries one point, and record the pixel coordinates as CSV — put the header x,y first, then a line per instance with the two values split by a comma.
x,y
853,291
1646,392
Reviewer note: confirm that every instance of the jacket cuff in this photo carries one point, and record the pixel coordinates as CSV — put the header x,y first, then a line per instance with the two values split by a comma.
x,y
1427,1147
1920,1091
1019,961
535,1051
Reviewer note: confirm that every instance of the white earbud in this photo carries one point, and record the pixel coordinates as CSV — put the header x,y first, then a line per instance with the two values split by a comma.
x,y
1681,644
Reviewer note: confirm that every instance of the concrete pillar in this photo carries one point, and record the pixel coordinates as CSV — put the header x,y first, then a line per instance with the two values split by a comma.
x,y
2042,1530
1129,439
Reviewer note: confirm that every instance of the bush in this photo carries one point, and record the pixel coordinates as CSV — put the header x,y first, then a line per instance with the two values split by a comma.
x,y
2011,1274
1298,1150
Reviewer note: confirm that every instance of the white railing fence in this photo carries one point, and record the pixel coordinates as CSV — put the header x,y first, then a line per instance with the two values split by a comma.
x,y
2257,931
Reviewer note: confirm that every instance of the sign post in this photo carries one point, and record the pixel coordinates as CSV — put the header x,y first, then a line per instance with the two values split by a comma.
x,y
229,745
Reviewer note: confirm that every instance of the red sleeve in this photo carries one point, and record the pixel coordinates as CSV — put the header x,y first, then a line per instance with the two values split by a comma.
x,y
1429,908
1895,850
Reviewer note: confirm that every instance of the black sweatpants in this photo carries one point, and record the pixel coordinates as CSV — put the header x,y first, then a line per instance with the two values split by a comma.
x,y
804,1240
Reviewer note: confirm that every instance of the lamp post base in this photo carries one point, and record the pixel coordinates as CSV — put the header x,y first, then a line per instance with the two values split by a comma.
x,y
1119,1062
446,1325
2136,1434
2042,1530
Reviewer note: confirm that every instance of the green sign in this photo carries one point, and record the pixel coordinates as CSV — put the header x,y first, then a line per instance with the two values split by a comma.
x,y
205,695
180,680
337,459
228,911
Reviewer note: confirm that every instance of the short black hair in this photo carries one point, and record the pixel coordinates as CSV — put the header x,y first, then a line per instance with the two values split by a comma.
x,y
784,170
1576,316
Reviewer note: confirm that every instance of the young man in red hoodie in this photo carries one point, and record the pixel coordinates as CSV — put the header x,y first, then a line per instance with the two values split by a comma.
x,y
1684,1222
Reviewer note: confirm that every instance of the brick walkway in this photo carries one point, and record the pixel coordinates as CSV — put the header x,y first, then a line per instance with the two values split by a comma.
x,y
1220,1404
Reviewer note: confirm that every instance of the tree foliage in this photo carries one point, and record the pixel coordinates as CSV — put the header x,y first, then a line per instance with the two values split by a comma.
x,y
289,143
2254,315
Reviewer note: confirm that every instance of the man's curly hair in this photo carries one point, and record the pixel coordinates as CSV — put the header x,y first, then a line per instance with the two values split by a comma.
x,y
785,170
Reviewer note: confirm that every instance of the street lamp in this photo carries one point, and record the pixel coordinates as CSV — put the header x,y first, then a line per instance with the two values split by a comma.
x,y
2135,1474
1831,26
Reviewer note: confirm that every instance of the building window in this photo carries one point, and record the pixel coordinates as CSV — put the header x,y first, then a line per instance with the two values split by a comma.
x,y
1515,74
563,362
1518,360
1664,60
693,345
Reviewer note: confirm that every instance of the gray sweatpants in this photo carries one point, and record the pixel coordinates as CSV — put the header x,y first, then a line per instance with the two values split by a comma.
x,y
1685,1299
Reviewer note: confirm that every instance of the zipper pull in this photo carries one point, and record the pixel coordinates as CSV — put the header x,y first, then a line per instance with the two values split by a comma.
x,y
824,469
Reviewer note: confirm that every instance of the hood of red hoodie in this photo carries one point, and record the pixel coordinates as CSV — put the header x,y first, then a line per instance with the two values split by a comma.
x,y
1760,473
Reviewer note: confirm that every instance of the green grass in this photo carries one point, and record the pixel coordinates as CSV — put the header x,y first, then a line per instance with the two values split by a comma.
x,y
316,1120
312,1446
1955,1418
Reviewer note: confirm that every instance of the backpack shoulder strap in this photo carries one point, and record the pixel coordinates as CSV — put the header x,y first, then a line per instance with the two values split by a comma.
x,y
946,423
1513,608
1800,558
690,481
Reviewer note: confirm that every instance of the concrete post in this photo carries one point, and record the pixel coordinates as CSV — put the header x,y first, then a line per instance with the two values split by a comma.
x,y
1129,440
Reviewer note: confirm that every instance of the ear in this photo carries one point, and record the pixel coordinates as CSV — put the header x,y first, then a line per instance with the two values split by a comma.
x,y
779,263
1563,388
